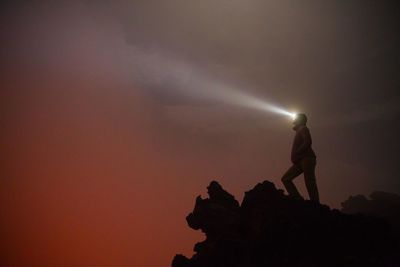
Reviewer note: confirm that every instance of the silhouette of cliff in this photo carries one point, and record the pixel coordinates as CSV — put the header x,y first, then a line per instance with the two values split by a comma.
x,y
381,204
271,229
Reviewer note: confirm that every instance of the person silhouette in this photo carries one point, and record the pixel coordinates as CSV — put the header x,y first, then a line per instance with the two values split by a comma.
x,y
304,161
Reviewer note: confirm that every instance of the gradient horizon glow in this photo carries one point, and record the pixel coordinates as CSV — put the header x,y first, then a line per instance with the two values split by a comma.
x,y
115,115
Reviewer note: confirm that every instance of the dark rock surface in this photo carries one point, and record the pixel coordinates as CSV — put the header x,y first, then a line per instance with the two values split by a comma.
x,y
380,204
271,229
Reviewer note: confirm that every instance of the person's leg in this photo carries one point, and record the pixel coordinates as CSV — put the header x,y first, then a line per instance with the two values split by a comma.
x,y
287,180
308,166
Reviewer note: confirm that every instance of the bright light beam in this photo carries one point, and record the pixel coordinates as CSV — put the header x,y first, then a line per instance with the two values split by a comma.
x,y
236,97
157,70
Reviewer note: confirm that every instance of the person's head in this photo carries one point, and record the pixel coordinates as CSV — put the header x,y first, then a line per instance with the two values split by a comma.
x,y
299,120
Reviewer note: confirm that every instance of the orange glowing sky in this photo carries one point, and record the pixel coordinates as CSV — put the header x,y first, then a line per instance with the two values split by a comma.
x,y
100,169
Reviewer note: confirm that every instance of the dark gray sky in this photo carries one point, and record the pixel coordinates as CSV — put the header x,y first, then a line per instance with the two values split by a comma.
x,y
113,116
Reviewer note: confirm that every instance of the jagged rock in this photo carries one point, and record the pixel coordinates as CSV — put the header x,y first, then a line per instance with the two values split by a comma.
x,y
180,261
217,215
271,229
381,204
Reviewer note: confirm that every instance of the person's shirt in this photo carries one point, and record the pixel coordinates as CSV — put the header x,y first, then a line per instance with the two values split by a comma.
x,y
301,147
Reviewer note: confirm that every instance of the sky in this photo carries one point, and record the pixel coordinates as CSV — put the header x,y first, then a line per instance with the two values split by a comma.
x,y
115,115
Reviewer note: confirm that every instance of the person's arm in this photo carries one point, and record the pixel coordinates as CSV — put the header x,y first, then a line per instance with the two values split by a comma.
x,y
305,133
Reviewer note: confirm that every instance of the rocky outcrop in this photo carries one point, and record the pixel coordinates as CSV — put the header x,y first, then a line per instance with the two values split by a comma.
x,y
271,229
380,204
